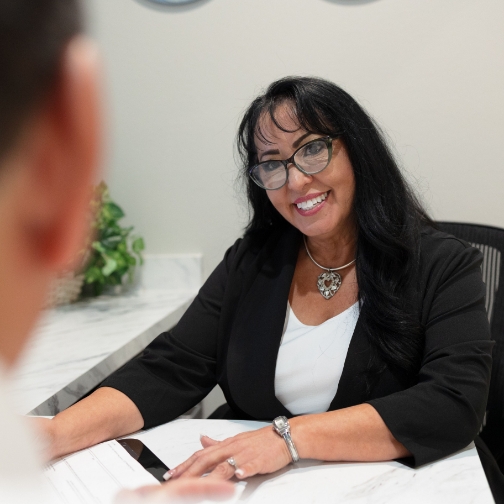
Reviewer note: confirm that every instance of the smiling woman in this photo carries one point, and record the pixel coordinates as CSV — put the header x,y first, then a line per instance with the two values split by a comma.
x,y
392,363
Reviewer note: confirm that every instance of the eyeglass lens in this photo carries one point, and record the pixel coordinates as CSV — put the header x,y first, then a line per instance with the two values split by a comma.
x,y
310,158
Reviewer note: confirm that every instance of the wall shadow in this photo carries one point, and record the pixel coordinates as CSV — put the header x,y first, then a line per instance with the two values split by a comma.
x,y
194,4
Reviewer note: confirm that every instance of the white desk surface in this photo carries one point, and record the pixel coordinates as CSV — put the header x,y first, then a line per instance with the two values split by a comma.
x,y
76,346
456,479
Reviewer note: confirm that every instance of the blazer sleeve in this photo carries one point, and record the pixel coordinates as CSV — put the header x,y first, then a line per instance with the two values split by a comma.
x,y
444,411
178,369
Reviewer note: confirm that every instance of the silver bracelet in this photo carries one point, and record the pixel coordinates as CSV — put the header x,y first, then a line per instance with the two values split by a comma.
x,y
282,428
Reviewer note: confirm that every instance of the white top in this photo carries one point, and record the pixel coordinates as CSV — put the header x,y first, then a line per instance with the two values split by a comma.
x,y
21,479
311,359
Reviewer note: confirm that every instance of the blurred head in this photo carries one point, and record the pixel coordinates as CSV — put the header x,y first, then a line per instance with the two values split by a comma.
x,y
49,151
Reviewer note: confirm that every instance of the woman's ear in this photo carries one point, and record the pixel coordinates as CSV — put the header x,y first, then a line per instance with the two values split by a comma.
x,y
65,157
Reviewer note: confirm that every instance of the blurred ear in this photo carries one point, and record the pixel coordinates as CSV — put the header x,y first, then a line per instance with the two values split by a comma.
x,y
64,160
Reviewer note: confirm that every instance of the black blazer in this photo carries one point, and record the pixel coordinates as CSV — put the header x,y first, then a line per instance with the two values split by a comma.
x,y
231,334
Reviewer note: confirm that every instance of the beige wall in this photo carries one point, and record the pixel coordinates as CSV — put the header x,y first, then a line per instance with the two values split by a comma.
x,y
430,71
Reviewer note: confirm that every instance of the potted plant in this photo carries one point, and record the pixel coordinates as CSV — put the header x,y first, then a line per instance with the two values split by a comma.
x,y
113,255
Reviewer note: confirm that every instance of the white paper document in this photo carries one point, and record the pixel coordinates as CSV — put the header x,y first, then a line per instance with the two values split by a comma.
x,y
176,441
458,478
95,475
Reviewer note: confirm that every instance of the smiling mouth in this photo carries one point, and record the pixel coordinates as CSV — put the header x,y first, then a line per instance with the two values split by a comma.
x,y
309,204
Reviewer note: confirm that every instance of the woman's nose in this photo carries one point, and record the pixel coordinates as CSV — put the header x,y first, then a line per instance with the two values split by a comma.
x,y
297,179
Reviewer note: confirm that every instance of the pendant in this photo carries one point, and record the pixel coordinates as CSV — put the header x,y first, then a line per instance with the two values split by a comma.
x,y
328,283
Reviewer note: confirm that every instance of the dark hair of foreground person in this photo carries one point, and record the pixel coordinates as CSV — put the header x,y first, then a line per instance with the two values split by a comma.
x,y
33,35
389,216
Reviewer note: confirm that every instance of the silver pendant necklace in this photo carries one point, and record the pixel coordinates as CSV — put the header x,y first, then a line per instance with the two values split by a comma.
x,y
328,282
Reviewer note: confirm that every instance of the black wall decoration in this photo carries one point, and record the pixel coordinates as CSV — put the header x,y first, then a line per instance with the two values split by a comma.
x,y
172,2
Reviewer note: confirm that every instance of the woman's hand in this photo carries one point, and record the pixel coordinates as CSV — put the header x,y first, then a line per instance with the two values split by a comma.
x,y
357,433
257,452
105,414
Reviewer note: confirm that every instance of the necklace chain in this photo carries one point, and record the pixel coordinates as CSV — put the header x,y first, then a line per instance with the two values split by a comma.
x,y
323,267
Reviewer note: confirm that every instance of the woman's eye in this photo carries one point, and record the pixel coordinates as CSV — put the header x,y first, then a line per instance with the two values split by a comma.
x,y
313,149
269,166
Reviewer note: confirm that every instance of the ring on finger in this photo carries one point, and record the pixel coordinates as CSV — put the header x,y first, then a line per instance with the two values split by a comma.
x,y
232,462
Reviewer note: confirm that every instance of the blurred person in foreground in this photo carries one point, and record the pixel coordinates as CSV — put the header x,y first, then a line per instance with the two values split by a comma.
x,y
50,142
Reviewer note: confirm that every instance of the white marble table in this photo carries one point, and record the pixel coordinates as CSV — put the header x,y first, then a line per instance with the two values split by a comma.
x,y
458,479
76,346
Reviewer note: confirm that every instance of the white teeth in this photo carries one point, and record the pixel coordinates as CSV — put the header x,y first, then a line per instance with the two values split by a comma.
x,y
309,204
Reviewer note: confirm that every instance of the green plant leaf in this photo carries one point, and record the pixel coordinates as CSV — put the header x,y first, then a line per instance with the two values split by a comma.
x,y
119,258
110,266
138,245
110,231
99,247
112,242
126,231
121,272
94,274
112,257
112,212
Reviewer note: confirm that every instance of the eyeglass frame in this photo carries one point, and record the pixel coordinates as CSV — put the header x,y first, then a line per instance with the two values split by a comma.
x,y
286,162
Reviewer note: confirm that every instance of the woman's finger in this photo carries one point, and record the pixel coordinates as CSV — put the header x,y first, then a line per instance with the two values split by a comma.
x,y
181,468
260,452
201,462
207,441
223,471
247,470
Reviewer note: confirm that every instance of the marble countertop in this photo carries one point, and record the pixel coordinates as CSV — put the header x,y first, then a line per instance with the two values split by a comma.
x,y
76,346
458,478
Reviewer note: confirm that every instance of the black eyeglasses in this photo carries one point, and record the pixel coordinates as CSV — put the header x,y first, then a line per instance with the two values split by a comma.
x,y
310,158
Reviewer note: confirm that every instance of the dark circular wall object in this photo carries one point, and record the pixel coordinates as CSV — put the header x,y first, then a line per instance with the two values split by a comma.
x,y
172,2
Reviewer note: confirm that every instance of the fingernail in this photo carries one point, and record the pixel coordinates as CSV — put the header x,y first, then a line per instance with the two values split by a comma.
x,y
168,474
239,473
202,436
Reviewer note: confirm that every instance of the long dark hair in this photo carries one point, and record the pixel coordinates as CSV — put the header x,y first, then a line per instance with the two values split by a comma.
x,y
388,214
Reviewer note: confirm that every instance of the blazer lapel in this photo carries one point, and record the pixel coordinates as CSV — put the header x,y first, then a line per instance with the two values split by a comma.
x,y
352,388
257,331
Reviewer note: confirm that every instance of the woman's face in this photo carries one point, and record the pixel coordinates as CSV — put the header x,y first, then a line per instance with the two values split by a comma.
x,y
335,185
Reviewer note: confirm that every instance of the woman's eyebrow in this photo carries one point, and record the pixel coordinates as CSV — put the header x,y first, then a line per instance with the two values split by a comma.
x,y
301,138
268,152
294,145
